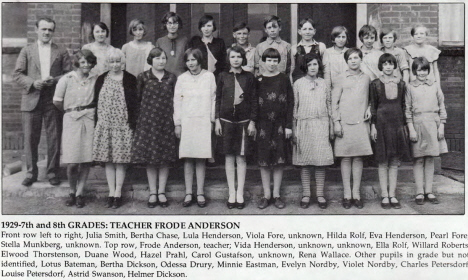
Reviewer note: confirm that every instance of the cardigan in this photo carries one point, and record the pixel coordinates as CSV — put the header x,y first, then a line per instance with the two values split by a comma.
x,y
130,88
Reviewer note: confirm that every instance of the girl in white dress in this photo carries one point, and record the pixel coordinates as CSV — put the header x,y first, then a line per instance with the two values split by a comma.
x,y
194,115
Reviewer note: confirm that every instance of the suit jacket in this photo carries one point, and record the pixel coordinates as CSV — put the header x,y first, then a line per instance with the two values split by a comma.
x,y
28,70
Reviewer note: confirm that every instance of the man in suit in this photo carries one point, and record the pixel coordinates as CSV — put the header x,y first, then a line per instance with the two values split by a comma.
x,y
38,69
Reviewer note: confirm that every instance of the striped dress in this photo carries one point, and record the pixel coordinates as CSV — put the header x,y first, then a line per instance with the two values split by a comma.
x,y
312,111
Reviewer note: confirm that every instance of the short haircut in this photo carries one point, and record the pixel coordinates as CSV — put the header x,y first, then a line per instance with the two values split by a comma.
x,y
240,26
115,53
236,49
306,20
272,18
271,53
310,57
103,26
204,20
387,31
46,19
350,51
387,57
337,30
134,23
420,63
413,30
155,52
175,17
87,54
367,30
197,54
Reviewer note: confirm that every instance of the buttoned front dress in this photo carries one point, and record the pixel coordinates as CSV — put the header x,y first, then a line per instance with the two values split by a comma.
x,y
78,126
350,100
194,110
155,141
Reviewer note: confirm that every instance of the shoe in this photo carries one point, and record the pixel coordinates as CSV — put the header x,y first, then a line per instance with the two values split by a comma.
x,y
117,202
322,205
71,200
161,203
79,201
305,204
54,181
396,204
347,203
152,204
201,204
28,181
432,200
109,201
240,205
420,200
279,203
231,205
186,202
385,205
263,203
358,203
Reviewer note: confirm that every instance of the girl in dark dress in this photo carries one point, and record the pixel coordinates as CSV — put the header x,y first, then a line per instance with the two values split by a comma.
x,y
236,114
274,127
387,94
155,142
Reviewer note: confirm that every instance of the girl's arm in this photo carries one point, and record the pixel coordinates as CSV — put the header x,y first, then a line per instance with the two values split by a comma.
x,y
290,108
329,110
213,97
336,96
409,115
374,104
59,95
289,62
296,100
406,76
253,106
437,75
178,91
326,69
219,96
442,114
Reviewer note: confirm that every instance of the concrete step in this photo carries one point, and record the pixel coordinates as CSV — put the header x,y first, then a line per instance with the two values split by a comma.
x,y
216,186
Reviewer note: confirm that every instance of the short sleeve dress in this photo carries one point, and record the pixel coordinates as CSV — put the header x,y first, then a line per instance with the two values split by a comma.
x,y
312,112
387,97
401,58
78,126
155,141
135,57
429,52
112,135
275,113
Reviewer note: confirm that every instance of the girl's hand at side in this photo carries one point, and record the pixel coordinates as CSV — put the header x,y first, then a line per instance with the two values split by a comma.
x,y
218,128
413,136
367,115
440,132
251,130
373,133
177,131
288,133
338,129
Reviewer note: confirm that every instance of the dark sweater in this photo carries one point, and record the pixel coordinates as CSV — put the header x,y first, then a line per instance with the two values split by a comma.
x,y
130,87
217,48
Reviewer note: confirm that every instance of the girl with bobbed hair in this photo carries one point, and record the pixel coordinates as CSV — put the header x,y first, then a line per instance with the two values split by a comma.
x,y
137,51
100,48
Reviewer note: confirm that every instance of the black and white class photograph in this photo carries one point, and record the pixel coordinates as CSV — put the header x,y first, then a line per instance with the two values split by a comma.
x,y
233,108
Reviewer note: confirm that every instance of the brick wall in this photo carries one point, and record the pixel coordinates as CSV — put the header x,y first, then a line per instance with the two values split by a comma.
x,y
401,18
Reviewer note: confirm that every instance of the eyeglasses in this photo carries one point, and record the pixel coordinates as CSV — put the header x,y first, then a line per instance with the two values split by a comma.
x,y
172,23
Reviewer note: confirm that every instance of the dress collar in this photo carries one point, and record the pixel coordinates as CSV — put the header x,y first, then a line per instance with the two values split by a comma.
x,y
241,70
386,79
417,82
271,41
152,76
348,73
206,41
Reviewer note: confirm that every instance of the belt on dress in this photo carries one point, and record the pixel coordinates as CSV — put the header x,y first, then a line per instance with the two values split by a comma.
x,y
81,108
244,121
425,112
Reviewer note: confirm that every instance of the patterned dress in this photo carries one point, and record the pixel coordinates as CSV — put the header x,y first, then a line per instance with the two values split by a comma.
x,y
155,141
312,112
275,111
112,135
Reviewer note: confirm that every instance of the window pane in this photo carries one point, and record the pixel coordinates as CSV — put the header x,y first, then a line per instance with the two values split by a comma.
x,y
451,27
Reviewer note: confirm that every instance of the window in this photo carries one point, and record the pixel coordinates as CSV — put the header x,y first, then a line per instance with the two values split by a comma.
x,y
14,24
451,25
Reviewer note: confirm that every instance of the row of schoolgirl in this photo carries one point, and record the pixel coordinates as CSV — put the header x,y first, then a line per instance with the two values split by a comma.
x,y
140,128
